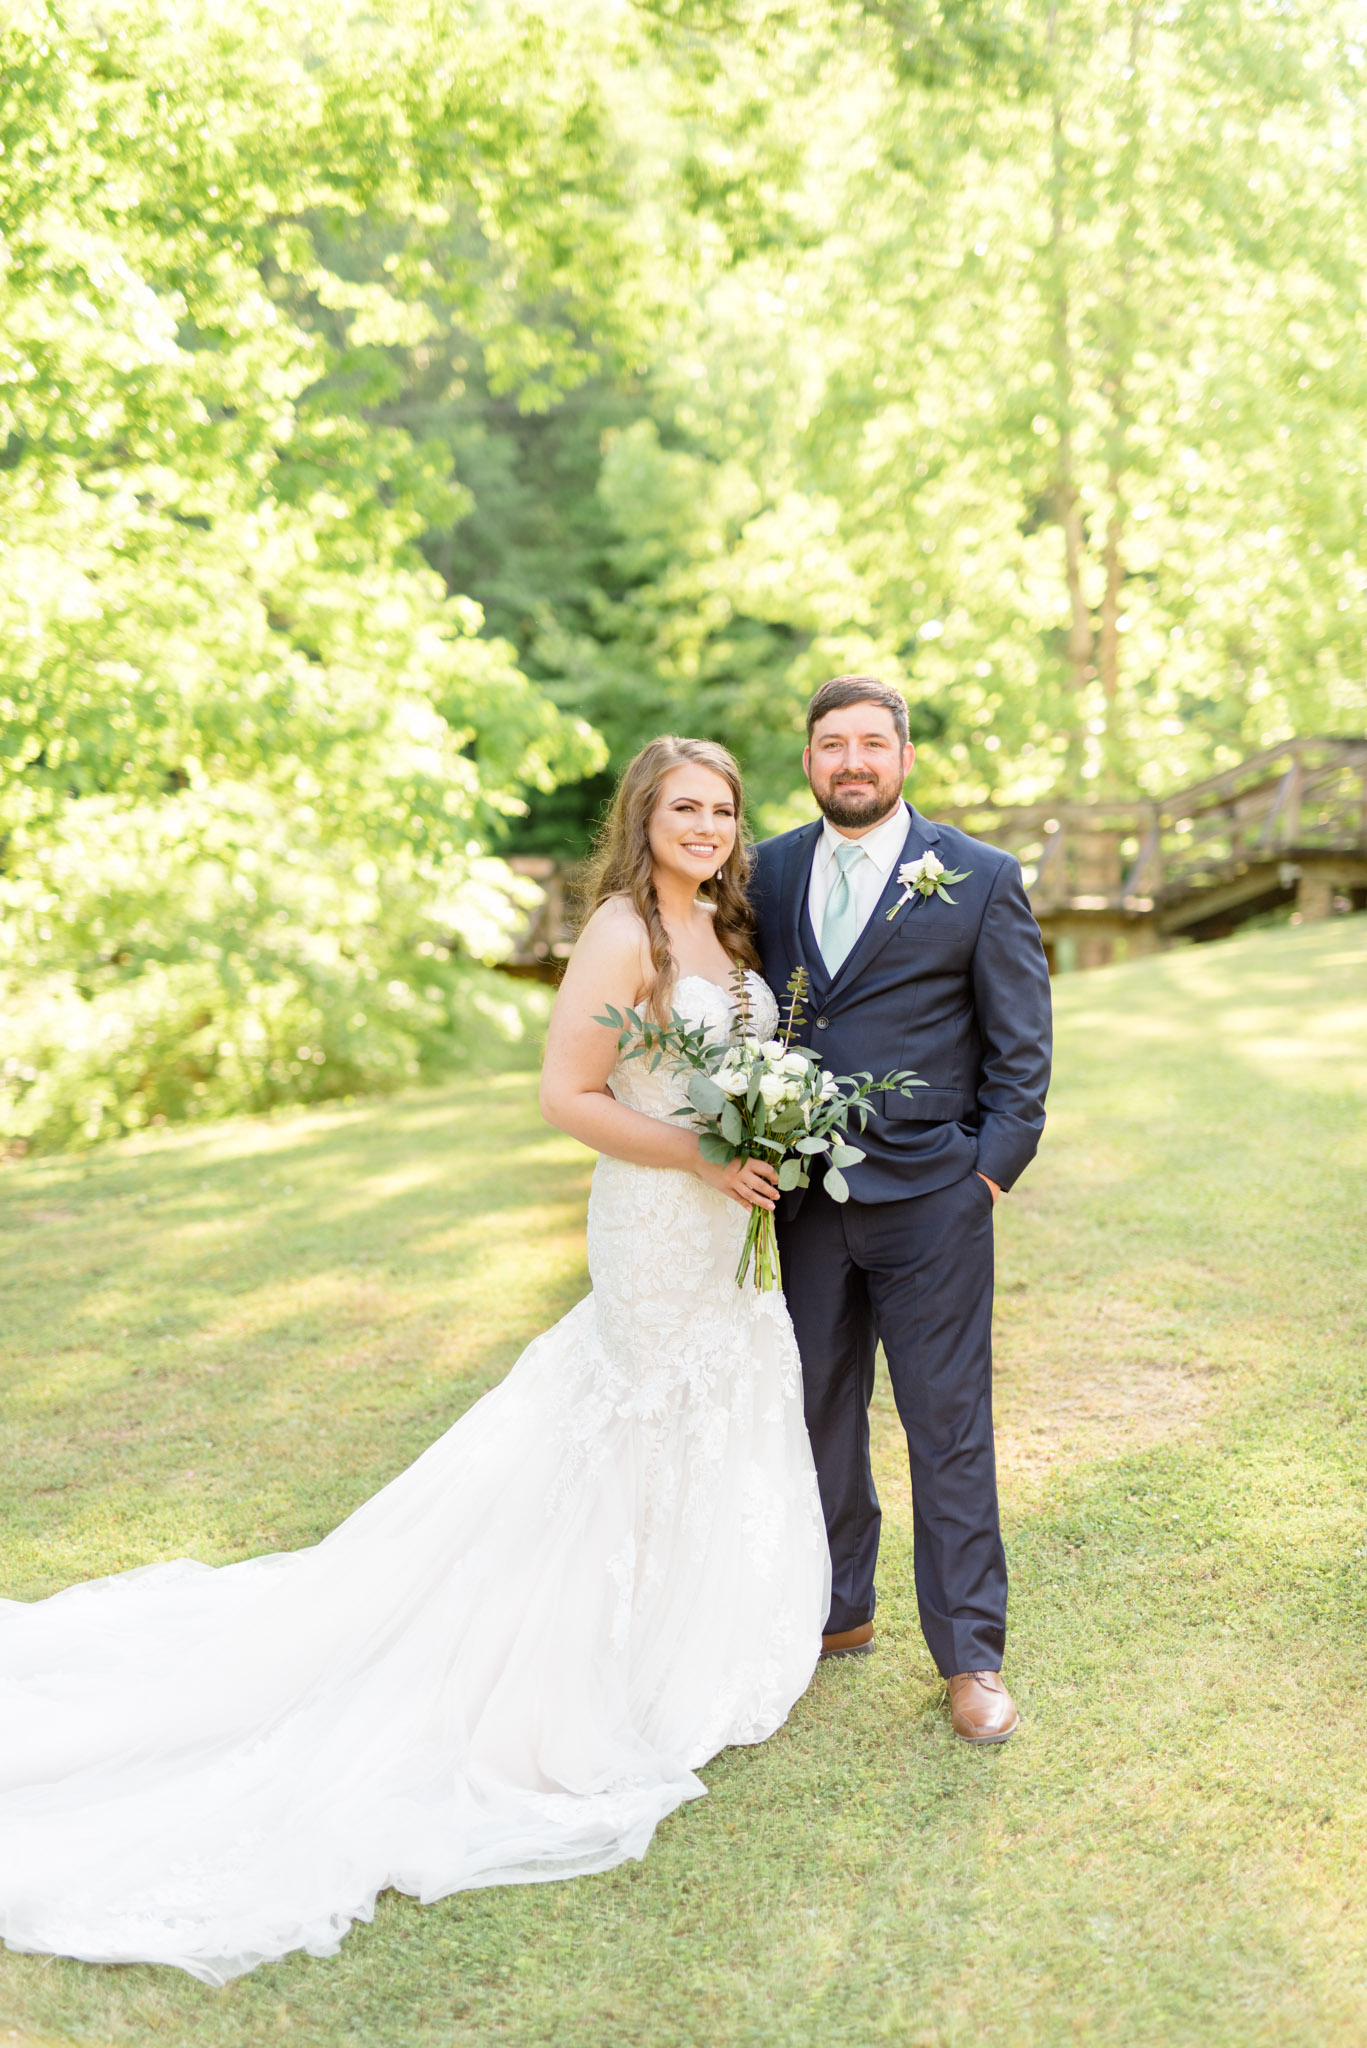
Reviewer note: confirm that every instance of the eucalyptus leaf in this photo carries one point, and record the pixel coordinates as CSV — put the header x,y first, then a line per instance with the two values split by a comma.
x,y
811,1145
704,1094
733,1130
836,1185
790,1174
846,1155
716,1149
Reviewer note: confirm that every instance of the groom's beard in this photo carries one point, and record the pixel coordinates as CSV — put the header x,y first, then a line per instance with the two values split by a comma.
x,y
858,800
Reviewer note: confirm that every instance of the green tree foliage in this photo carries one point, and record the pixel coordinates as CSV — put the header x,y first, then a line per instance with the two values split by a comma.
x,y
254,754
407,409
1062,382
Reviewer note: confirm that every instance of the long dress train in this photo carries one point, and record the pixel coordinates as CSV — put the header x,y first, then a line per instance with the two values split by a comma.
x,y
506,1666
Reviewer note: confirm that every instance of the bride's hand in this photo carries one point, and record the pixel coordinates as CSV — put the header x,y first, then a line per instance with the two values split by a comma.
x,y
751,1182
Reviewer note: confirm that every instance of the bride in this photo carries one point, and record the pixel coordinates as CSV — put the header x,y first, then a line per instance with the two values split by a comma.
x,y
510,1663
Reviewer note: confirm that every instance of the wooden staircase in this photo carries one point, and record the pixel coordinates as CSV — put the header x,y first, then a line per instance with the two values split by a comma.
x,y
1110,879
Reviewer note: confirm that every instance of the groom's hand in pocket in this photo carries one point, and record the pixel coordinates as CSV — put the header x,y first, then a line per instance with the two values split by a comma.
x,y
996,1191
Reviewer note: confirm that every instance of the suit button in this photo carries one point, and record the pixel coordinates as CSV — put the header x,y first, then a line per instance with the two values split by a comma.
x,y
822,1022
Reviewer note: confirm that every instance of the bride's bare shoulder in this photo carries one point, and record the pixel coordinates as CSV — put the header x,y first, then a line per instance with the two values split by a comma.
x,y
615,926
615,913
612,950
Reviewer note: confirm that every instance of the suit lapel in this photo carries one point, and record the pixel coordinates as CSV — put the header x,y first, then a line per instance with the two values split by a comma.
x,y
812,958
799,945
879,929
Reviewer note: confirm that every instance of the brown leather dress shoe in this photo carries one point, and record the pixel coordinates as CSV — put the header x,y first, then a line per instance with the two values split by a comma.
x,y
849,1642
981,1708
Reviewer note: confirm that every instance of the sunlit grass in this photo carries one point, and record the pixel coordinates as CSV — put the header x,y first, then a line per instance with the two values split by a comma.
x,y
226,1340
218,1342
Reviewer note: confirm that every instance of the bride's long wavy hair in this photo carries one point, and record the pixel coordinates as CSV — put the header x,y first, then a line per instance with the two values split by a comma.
x,y
622,866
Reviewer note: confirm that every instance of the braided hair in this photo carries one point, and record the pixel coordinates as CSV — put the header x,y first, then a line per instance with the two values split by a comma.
x,y
622,864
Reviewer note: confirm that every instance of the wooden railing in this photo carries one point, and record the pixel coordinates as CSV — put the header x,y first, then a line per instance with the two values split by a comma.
x,y
1174,858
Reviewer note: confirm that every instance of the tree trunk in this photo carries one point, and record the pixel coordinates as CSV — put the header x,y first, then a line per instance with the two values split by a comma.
x,y
1117,394
1112,561
1066,504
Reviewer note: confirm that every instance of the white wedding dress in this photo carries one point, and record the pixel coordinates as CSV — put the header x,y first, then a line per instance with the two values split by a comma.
x,y
506,1666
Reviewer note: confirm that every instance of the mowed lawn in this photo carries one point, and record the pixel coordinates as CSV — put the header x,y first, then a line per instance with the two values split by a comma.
x,y
217,1342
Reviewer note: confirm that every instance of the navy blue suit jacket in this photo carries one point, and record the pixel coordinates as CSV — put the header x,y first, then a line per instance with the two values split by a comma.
x,y
959,992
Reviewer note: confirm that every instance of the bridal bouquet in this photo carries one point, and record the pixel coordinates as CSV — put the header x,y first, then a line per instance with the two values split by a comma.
x,y
762,1098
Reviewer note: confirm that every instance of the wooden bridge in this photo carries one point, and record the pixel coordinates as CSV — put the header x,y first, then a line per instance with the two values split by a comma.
x,y
1108,880
1111,879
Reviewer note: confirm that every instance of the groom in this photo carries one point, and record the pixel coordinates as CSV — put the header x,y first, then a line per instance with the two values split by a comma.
x,y
959,992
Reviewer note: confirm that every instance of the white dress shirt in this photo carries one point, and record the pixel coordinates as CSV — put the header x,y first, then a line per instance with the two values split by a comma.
x,y
868,878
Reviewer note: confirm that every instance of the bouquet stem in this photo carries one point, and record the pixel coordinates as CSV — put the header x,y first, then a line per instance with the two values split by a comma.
x,y
761,1246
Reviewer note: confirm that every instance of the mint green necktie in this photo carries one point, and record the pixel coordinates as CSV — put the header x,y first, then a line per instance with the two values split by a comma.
x,y
840,925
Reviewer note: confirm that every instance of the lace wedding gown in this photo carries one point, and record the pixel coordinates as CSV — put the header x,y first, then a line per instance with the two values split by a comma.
x,y
506,1666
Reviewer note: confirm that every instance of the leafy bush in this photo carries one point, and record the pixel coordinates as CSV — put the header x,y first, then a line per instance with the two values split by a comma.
x,y
253,754
216,953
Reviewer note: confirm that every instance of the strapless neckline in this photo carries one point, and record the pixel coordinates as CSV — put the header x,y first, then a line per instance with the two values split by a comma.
x,y
720,987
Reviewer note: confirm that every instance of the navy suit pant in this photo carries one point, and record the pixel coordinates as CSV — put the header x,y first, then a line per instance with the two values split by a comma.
x,y
917,1275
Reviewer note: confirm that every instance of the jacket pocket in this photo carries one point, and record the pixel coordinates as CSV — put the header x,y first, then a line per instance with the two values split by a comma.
x,y
930,1106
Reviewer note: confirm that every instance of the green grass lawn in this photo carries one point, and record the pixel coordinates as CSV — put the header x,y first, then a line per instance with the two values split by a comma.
x,y
217,1342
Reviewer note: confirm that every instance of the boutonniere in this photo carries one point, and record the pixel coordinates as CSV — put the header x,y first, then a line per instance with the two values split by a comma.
x,y
926,877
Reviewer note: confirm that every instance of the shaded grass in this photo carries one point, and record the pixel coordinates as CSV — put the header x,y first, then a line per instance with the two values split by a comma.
x,y
219,1343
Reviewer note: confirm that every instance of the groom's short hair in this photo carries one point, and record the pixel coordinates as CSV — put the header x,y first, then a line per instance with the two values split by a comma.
x,y
843,690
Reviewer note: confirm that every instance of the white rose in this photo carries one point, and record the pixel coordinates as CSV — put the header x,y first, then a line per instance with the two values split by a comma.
x,y
771,1088
828,1088
923,870
773,1049
731,1083
794,1063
